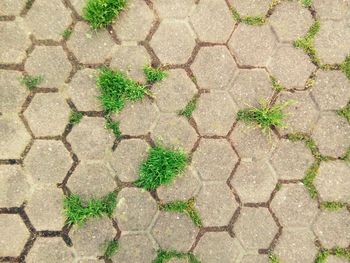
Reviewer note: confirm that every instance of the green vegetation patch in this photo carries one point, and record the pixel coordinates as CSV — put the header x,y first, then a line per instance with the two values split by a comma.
x,y
189,109
337,251
66,33
273,259
345,112
345,67
31,82
101,13
306,3
276,84
111,248
309,143
114,127
154,75
332,206
309,178
75,117
164,256
249,20
322,256
161,167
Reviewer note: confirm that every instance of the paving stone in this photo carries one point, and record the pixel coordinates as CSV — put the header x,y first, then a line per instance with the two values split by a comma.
x,y
173,42
333,181
332,42
88,260
45,209
174,231
12,93
291,66
255,228
293,206
213,67
135,209
291,160
332,90
131,65
91,179
249,87
212,21
11,7
91,147
127,158
88,239
251,7
216,204
90,46
215,113
14,235
174,92
296,245
251,176
14,186
49,62
14,41
174,130
332,134
78,6
182,188
48,19
134,248
214,159
130,26
335,259
331,9
290,20
174,9
83,90
252,45
13,137
52,250
44,121
217,247
255,259
251,142
333,228
138,118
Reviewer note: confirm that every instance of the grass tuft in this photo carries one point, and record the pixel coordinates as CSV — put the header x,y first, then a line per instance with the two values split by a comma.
x,y
161,167
276,84
66,33
114,127
101,13
322,256
273,259
164,256
31,82
309,178
345,67
249,20
111,249
75,117
332,206
189,109
306,3
342,253
154,75
345,112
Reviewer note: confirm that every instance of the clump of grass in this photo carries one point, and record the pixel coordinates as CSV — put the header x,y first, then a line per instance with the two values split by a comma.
x,y
101,13
111,248
77,211
164,256
332,206
345,67
322,256
273,259
75,117
342,253
31,82
161,167
66,33
306,3
249,20
345,112
114,127
309,178
309,143
189,109
186,207
154,75
276,84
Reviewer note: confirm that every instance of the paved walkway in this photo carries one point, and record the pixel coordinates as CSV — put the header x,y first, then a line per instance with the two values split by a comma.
x,y
259,196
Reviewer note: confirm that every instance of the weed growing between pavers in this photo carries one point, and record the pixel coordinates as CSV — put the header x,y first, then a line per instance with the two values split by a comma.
x,y
161,167
276,84
186,207
332,206
75,117
306,3
346,156
189,109
345,112
273,259
164,256
66,33
345,67
101,13
31,82
114,127
154,75
111,248
338,252
249,20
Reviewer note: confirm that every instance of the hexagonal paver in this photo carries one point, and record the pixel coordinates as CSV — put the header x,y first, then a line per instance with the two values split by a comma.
x,y
217,247
48,19
15,40
136,248
291,66
252,176
332,42
138,118
212,21
214,159
130,65
91,179
251,7
255,228
332,90
135,209
255,259
333,228
249,87
88,239
87,146
252,45
44,121
293,206
215,113
174,231
11,7
332,134
174,9
296,245
14,186
14,235
290,20
291,160
216,204
13,137
90,46
130,26
173,42
333,181
50,250
12,93
213,67
331,9
174,92
51,63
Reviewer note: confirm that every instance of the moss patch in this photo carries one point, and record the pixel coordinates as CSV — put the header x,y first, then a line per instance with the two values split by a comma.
x,y
154,75
66,33
189,109
249,20
337,251
273,259
31,82
164,256
306,3
332,206
75,117
111,248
